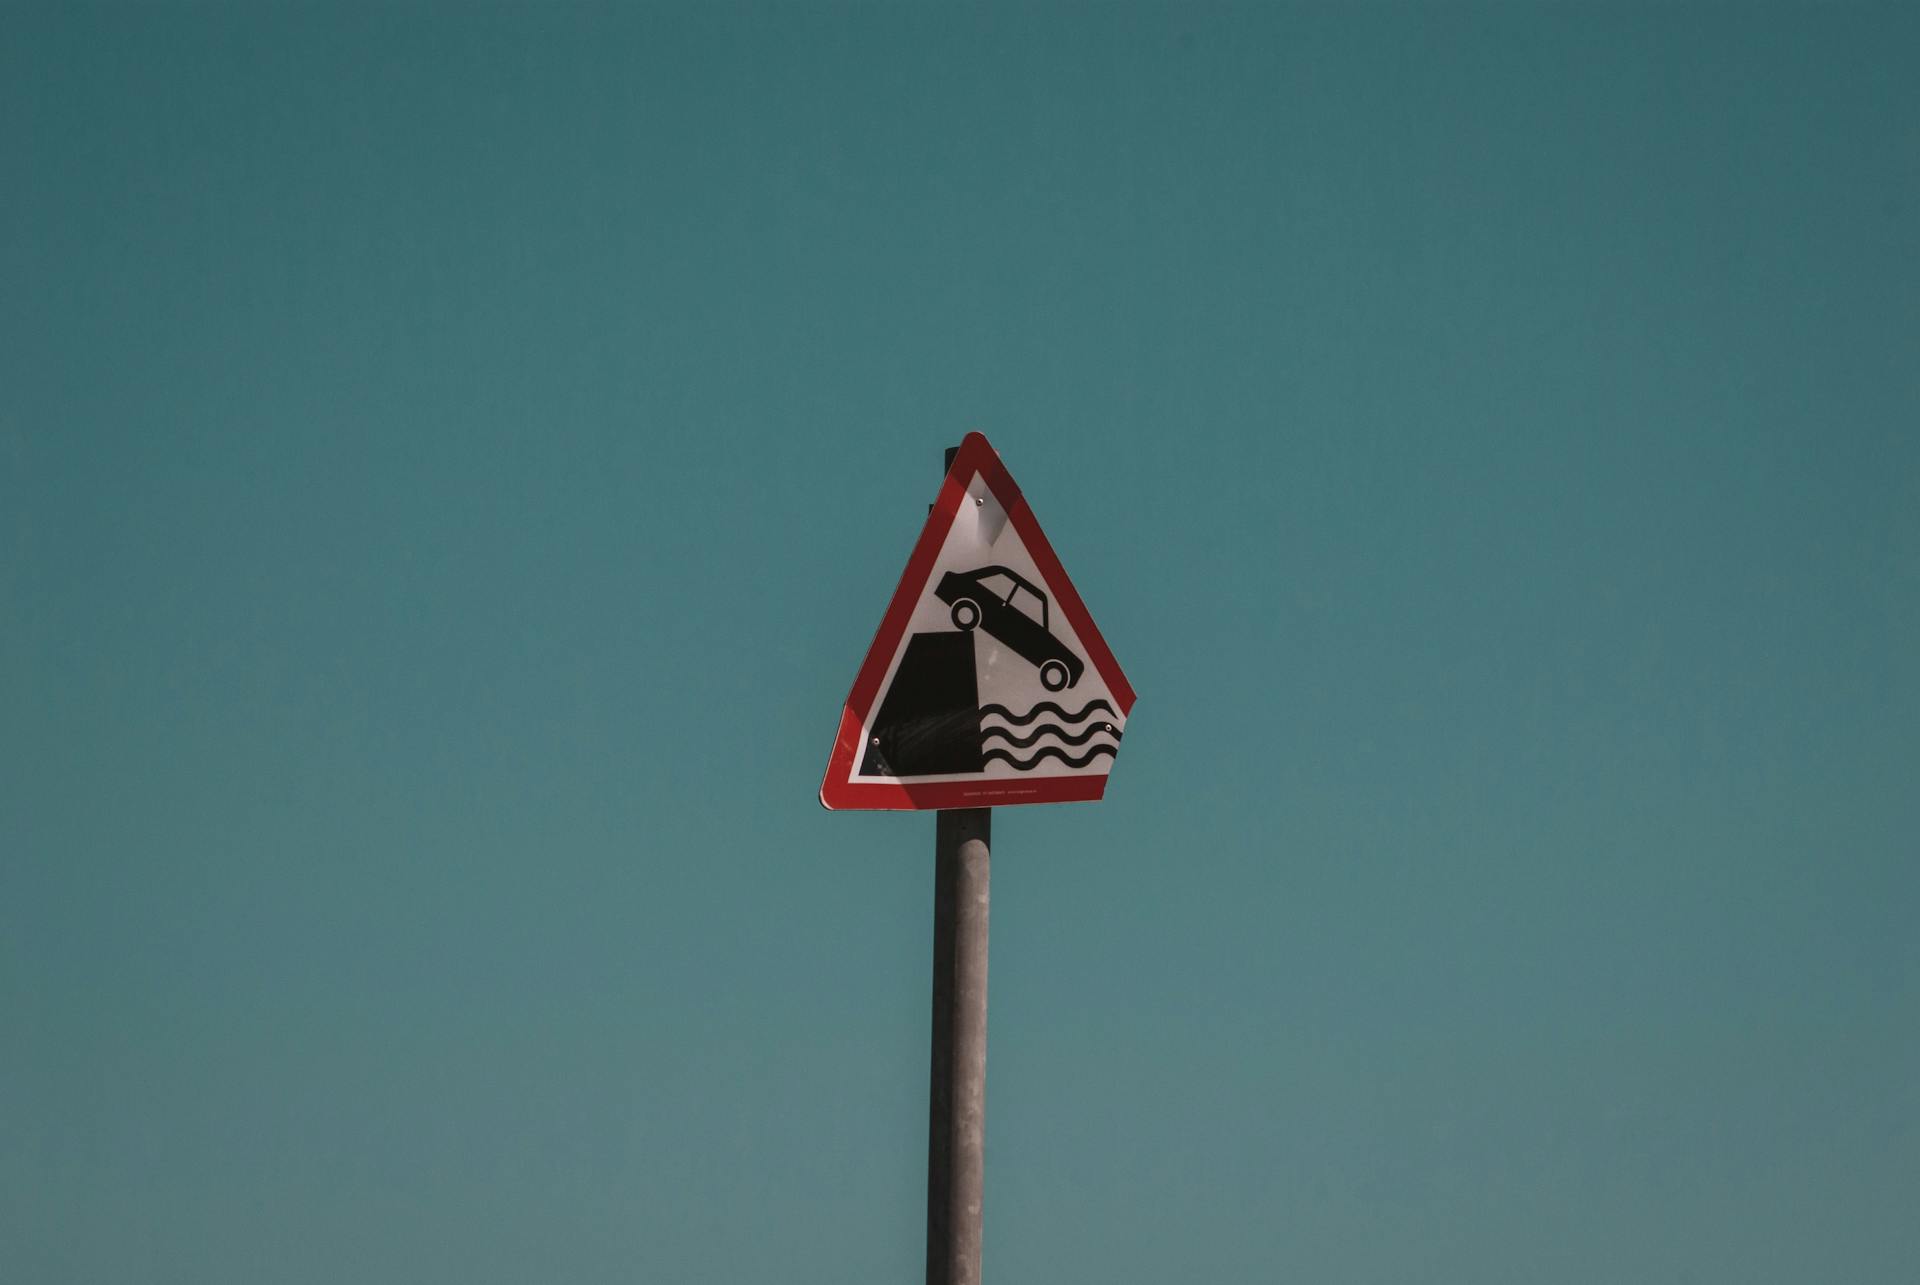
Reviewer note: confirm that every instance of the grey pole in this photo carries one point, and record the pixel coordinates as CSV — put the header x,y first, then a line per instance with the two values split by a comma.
x,y
956,1135
957,1092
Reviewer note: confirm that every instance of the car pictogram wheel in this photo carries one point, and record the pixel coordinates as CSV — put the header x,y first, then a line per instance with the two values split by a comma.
x,y
1053,675
965,613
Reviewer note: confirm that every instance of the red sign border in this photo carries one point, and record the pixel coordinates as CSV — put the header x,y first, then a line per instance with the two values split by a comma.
x,y
837,793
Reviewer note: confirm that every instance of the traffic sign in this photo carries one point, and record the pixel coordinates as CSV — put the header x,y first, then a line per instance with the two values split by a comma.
x,y
988,684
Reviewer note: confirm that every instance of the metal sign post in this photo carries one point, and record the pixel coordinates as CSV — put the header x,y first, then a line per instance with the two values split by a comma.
x,y
957,1098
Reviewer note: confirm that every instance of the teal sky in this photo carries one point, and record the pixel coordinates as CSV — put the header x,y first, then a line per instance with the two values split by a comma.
x,y
452,460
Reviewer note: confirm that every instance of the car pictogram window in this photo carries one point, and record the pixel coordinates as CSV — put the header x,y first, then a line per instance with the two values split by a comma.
x,y
1031,604
998,585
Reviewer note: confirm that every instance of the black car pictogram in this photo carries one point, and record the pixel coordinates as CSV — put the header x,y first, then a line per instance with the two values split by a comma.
x,y
1010,608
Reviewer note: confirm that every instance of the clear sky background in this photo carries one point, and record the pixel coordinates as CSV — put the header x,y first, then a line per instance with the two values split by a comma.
x,y
453,459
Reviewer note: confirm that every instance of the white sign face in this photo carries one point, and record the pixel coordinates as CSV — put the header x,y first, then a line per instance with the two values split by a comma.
x,y
988,683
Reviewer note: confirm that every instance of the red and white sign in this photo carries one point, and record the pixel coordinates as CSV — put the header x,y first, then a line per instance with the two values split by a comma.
x,y
988,683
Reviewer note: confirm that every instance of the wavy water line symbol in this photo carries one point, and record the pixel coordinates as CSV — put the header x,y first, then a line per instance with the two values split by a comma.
x,y
1050,729
1045,752
1044,707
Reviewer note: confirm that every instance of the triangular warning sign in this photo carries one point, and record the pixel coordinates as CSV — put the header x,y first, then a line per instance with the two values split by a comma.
x,y
988,683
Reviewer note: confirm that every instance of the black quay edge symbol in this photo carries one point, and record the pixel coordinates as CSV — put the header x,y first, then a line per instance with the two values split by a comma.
x,y
931,721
